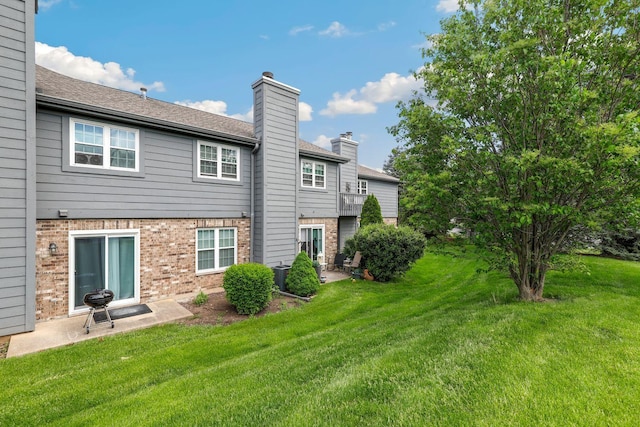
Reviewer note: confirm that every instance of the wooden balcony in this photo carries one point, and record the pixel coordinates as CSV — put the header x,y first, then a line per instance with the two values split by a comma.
x,y
351,204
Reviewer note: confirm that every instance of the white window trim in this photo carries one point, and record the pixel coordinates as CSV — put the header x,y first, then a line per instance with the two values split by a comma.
x,y
324,237
313,175
106,154
366,186
217,268
135,233
219,148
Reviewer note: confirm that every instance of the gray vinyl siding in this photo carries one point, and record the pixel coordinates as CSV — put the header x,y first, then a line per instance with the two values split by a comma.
x,y
347,227
277,165
320,203
387,195
349,170
17,223
165,187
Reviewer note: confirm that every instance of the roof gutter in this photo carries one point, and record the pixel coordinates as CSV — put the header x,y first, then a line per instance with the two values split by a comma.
x,y
329,157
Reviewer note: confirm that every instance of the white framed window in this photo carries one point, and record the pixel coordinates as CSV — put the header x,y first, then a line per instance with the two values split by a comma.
x,y
216,249
363,186
313,174
218,161
104,259
311,240
102,146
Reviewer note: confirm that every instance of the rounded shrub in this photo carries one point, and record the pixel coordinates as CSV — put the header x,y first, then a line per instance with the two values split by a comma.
x,y
387,250
302,279
248,287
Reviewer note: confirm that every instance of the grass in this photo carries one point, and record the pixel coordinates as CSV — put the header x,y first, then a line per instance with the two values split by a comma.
x,y
443,346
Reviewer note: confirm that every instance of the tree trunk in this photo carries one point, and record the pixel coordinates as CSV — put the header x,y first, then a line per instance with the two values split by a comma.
x,y
529,276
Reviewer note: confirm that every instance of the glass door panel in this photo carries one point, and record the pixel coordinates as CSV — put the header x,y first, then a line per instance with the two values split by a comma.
x,y
104,262
306,243
89,267
311,242
121,267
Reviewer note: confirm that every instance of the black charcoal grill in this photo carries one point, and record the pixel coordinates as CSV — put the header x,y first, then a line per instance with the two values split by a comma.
x,y
98,300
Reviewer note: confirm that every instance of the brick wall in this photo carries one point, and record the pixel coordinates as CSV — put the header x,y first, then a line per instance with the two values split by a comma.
x,y
330,235
167,258
390,220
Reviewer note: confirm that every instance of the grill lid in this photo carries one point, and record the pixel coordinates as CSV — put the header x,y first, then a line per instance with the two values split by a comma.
x,y
98,298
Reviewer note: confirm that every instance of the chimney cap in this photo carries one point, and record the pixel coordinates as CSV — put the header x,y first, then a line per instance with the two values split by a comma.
x,y
268,74
349,134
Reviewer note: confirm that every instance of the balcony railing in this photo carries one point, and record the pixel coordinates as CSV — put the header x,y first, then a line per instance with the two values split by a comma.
x,y
351,204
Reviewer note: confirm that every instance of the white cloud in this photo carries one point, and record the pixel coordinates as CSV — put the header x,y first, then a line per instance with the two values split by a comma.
x,y
296,30
335,30
246,117
323,141
220,108
386,25
427,44
447,6
304,111
264,37
345,104
47,4
216,107
110,74
391,87
210,106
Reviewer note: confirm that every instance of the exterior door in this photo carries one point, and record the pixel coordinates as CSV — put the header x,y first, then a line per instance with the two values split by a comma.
x,y
312,240
105,262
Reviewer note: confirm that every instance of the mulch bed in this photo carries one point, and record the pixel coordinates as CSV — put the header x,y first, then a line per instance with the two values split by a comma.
x,y
218,311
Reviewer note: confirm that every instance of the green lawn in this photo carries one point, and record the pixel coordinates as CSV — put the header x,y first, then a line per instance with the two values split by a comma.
x,y
444,346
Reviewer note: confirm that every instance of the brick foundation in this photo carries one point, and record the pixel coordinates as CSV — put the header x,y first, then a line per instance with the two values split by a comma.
x,y
167,258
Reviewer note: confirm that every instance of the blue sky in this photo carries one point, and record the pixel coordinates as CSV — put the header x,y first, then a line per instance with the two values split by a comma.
x,y
352,60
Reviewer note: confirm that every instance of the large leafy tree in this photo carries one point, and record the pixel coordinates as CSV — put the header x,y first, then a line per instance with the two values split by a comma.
x,y
535,128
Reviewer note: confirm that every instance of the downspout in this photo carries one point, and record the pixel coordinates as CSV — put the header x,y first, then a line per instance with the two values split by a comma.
x,y
253,203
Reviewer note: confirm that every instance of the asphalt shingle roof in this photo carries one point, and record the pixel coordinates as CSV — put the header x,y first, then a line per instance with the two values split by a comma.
x,y
58,86
91,96
365,172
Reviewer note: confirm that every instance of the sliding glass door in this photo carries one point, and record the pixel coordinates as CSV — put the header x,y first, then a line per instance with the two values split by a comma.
x,y
105,261
312,240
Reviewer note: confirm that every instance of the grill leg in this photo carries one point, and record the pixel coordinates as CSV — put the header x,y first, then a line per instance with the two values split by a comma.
x,y
106,310
87,323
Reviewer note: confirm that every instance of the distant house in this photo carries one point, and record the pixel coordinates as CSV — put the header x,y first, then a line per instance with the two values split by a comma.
x,y
104,188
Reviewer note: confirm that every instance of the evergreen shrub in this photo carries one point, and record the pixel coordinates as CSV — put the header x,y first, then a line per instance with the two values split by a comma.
x,y
371,212
248,287
302,279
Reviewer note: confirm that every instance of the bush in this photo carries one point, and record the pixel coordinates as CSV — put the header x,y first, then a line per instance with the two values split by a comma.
x,y
302,279
248,287
201,298
349,249
623,244
371,213
388,250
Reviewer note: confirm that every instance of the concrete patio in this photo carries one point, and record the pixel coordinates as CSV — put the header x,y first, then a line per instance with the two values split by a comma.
x,y
62,332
